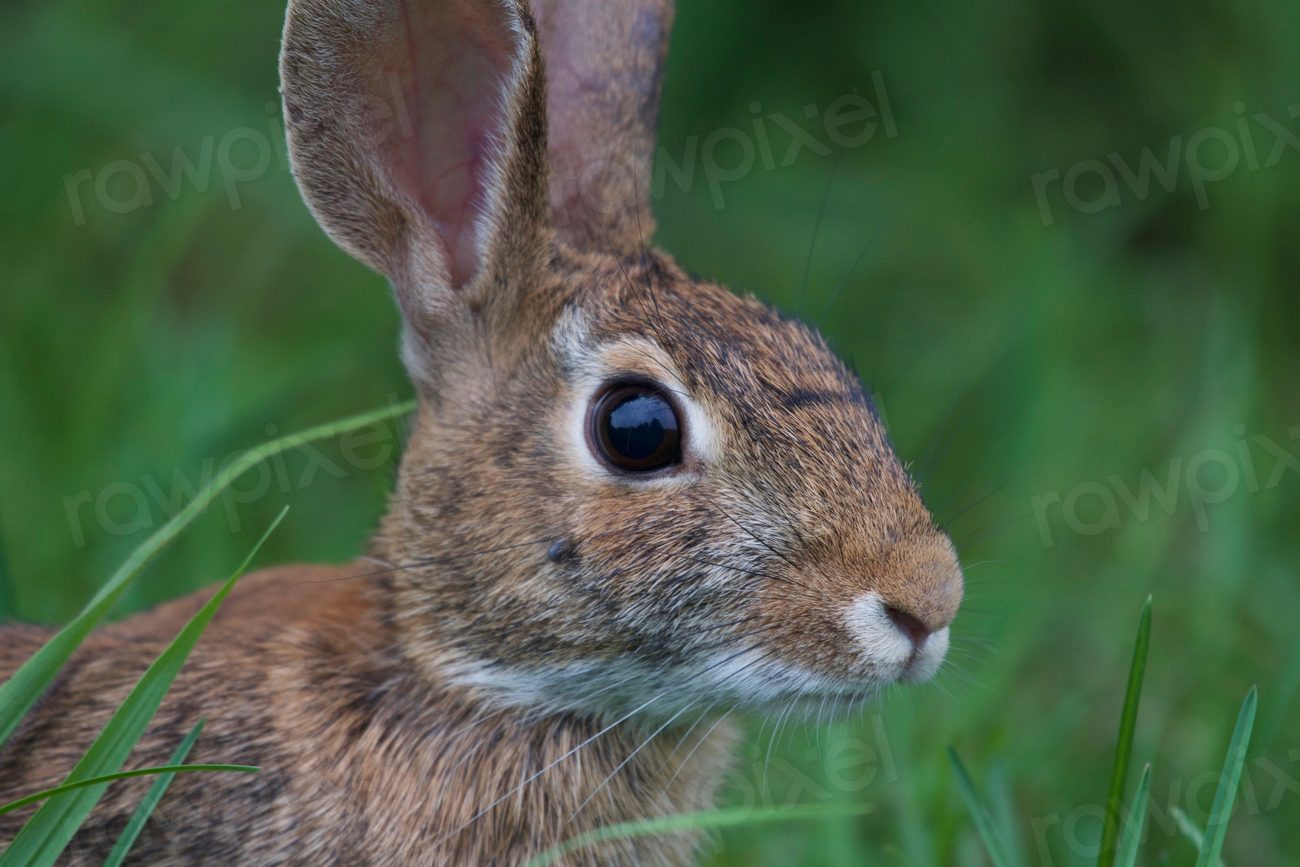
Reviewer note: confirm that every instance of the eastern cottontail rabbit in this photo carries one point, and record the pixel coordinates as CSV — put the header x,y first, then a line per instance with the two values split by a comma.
x,y
630,497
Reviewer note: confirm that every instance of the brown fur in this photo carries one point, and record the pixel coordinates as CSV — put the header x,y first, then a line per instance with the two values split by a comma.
x,y
520,600
363,761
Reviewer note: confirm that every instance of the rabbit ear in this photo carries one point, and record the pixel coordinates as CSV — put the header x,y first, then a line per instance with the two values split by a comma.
x,y
604,61
417,131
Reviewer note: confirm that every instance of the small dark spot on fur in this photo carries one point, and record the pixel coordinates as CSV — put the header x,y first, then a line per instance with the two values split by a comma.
x,y
561,551
696,535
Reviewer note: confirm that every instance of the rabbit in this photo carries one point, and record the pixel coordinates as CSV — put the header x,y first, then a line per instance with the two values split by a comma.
x,y
631,500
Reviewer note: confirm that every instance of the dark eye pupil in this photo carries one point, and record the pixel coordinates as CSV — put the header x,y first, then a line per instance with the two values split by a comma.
x,y
638,426
636,429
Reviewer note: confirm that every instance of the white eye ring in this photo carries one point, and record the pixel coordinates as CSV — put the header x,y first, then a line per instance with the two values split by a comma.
x,y
632,358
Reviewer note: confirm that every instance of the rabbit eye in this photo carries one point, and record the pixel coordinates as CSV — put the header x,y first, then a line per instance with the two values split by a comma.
x,y
634,428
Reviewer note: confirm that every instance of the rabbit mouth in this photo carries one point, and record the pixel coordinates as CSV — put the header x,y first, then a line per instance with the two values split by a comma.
x,y
753,677
925,661
758,680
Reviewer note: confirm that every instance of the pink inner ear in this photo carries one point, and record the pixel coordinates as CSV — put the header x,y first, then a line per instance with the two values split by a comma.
x,y
451,61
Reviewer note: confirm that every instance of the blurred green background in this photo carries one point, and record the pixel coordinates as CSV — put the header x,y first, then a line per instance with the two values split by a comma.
x,y
1097,377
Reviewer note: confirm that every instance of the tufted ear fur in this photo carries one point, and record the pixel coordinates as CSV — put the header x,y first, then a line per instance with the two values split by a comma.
x,y
604,77
417,131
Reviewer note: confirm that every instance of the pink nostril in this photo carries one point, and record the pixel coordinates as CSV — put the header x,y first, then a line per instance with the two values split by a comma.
x,y
909,624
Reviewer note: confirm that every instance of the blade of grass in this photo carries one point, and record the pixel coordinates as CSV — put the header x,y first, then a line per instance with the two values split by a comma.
x,y
705,820
25,686
983,822
1188,829
127,838
1003,812
1128,846
1124,745
122,775
52,827
1216,827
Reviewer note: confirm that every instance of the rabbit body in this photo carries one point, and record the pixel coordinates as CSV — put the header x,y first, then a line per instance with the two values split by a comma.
x,y
362,762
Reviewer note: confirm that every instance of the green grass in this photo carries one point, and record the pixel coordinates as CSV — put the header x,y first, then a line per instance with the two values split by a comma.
x,y
163,771
711,820
1124,747
48,831
1006,354
1131,842
44,836
150,801
20,691
993,844
1229,780
1114,850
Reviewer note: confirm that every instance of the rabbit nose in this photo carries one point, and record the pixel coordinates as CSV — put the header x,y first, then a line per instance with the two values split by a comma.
x,y
909,624
920,587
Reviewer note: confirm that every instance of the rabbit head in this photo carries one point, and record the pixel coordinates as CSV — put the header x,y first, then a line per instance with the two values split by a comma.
x,y
624,486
